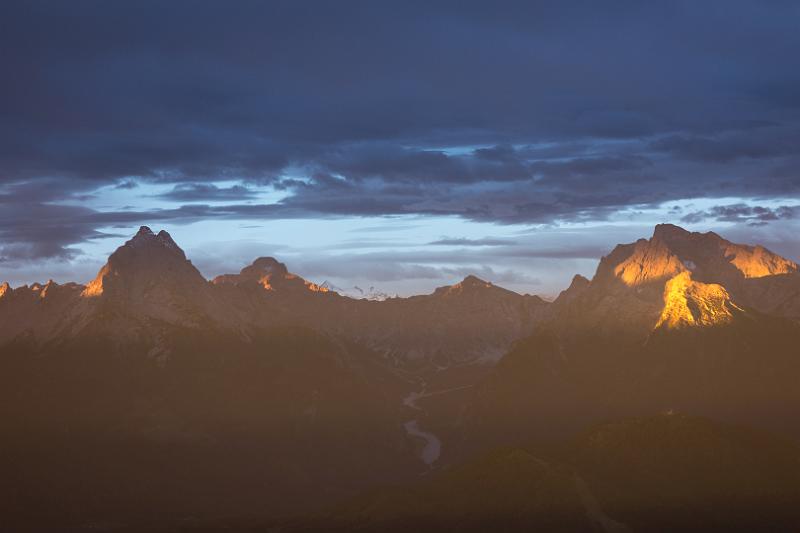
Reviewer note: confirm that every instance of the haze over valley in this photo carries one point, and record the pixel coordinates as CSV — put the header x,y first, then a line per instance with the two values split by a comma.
x,y
153,397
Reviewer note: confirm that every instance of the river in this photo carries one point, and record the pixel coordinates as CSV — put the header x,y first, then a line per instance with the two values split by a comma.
x,y
433,445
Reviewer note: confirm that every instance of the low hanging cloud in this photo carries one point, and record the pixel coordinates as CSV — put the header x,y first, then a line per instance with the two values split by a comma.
x,y
462,241
204,192
742,213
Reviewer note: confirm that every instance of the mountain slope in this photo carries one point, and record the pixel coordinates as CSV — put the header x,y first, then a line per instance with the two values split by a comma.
x,y
471,321
674,472
505,490
95,432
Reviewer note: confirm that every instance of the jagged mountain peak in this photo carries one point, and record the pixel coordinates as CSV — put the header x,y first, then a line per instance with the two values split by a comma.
x,y
577,287
146,260
673,250
5,288
265,271
668,231
271,275
671,233
712,254
578,282
145,238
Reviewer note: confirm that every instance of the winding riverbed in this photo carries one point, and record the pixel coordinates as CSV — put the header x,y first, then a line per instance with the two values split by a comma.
x,y
433,445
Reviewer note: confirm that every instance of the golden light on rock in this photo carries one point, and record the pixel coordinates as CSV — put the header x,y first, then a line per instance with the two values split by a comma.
x,y
95,287
313,287
757,261
650,261
691,303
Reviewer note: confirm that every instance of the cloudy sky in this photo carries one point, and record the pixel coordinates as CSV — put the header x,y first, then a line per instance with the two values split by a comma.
x,y
397,144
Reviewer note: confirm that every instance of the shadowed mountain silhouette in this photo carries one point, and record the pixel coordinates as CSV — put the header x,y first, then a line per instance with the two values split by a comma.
x,y
143,263
150,278
148,283
260,393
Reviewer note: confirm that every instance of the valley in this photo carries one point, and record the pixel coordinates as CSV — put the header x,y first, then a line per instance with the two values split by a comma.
x,y
661,391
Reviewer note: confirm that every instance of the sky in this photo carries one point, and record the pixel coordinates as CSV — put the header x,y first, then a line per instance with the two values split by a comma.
x,y
401,145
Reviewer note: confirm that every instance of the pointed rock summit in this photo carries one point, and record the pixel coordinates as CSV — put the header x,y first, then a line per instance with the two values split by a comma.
x,y
145,238
578,285
265,271
468,285
146,261
149,277
5,288
271,275
473,282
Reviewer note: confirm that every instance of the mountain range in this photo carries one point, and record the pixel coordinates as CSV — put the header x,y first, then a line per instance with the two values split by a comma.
x,y
154,398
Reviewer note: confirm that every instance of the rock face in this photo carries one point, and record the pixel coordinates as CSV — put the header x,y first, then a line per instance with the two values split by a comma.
x,y
754,276
691,303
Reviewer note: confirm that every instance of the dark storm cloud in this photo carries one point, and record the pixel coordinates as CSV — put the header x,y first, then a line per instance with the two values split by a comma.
x,y
510,112
764,142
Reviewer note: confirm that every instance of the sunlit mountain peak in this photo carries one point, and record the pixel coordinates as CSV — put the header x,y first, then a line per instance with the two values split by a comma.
x,y
714,254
